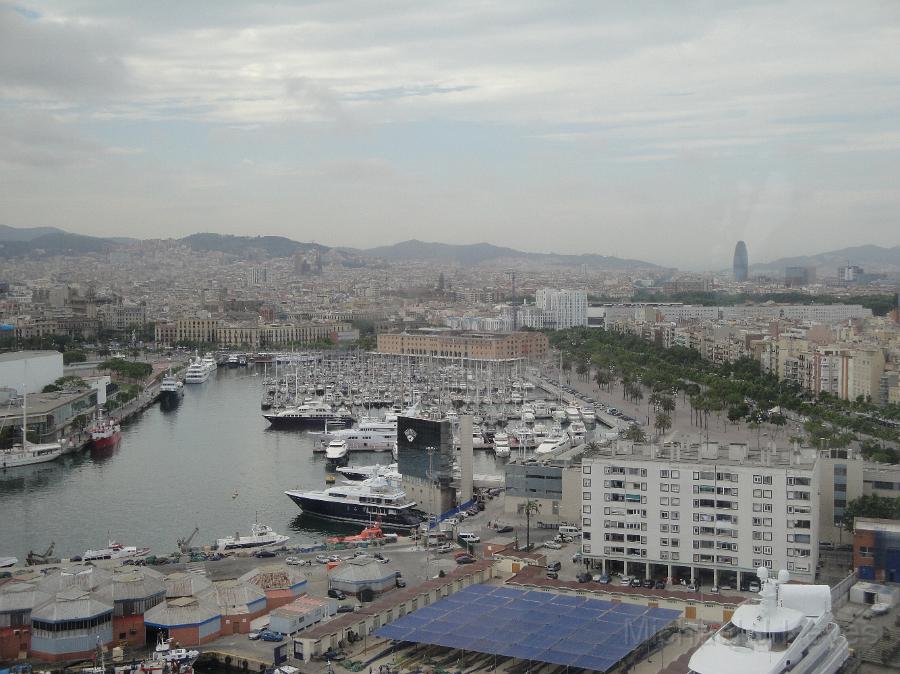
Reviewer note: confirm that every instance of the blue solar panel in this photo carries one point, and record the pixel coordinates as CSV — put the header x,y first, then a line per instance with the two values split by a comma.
x,y
538,626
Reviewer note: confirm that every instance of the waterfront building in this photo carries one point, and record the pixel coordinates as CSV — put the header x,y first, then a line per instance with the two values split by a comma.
x,y
740,264
240,604
131,591
476,346
51,415
361,577
33,369
554,483
676,510
281,584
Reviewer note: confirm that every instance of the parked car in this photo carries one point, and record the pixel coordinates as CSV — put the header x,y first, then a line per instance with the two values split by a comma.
x,y
445,547
601,578
336,594
469,537
268,635
625,581
552,545
334,558
253,636
345,608
552,575
322,559
636,582
554,566
660,585
505,529
753,586
378,555
383,560
648,583
295,561
465,559
264,553
399,582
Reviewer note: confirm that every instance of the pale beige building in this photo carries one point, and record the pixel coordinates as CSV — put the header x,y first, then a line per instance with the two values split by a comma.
x,y
478,346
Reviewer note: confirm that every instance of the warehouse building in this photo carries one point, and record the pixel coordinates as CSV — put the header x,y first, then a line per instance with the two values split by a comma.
x,y
301,613
132,592
17,601
361,576
70,626
240,603
191,621
281,584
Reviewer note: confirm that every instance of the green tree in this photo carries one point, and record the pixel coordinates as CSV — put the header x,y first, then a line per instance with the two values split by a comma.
x,y
663,422
871,505
70,357
635,433
531,508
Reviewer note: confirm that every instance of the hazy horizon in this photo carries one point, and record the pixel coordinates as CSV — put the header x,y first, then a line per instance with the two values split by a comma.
x,y
664,134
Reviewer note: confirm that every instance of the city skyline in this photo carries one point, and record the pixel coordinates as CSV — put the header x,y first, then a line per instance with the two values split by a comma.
x,y
656,135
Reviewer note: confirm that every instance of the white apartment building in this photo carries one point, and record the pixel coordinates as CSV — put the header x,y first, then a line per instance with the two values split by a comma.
x,y
566,308
702,512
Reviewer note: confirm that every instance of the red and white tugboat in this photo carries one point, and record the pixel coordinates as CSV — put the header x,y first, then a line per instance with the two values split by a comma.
x,y
105,432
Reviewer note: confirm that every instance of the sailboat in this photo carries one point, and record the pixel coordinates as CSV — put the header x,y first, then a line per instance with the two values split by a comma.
x,y
28,453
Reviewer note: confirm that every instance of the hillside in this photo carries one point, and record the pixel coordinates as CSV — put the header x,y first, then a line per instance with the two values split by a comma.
x,y
8,233
479,253
250,246
55,243
871,258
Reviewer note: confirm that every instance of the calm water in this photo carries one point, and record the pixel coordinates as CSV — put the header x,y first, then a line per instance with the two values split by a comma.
x,y
210,463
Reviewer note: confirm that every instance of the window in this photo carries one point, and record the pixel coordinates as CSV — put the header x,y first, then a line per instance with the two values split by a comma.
x,y
586,482
664,528
675,474
587,509
663,500
586,470
585,521
664,488
676,501
664,474
585,496
674,528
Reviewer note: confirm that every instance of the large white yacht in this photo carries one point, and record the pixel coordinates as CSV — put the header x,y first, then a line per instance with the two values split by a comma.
x,y
197,372
260,536
336,453
553,442
501,444
360,503
210,362
790,628
377,436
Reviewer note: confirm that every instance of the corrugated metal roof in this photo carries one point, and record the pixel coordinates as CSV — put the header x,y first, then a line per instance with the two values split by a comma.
x,y
233,594
134,583
182,584
300,606
181,611
81,576
361,570
274,577
21,597
70,604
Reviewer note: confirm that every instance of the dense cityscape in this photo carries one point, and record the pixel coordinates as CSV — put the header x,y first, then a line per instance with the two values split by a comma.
x,y
449,338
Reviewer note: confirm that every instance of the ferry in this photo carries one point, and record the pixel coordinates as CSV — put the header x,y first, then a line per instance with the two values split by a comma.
x,y
260,536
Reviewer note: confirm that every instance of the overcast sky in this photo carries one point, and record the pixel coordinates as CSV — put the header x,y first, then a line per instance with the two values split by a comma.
x,y
664,131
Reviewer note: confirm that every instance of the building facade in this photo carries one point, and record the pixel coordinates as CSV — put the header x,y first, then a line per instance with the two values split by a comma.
x,y
475,346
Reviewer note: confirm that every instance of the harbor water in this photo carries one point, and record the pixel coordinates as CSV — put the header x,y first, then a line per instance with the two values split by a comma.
x,y
211,462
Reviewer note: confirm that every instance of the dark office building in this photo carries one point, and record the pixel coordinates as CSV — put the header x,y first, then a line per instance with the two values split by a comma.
x,y
741,264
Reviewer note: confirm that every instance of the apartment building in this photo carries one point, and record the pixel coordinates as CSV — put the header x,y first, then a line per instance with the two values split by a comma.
x,y
563,308
695,511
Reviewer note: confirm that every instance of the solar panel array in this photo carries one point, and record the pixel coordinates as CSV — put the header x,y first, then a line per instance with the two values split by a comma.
x,y
540,626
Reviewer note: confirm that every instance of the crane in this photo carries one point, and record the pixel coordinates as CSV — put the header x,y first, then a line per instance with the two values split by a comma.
x,y
35,558
184,544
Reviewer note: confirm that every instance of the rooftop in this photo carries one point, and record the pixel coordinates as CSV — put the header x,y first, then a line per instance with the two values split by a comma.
x,y
734,454
44,403
12,356
874,524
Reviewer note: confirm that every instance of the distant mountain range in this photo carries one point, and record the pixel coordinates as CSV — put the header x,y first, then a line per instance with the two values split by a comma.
x,y
479,253
871,258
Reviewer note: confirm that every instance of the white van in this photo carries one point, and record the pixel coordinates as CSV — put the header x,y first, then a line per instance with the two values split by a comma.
x,y
568,530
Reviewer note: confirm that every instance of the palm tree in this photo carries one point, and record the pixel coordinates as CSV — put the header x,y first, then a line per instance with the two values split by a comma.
x,y
530,507
663,423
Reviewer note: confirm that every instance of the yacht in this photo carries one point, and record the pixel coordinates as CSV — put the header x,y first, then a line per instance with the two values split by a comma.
x,y
336,453
197,372
790,628
361,503
171,391
588,414
6,562
553,442
357,473
260,536
28,453
572,413
308,414
577,430
114,551
232,360
528,414
210,362
377,436
501,445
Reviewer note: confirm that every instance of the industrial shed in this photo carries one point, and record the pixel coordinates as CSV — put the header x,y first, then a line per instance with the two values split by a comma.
x,y
70,626
361,573
280,583
188,620
240,603
132,592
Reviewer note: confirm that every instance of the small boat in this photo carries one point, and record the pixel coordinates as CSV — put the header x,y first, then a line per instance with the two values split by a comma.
x,y
6,562
501,445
